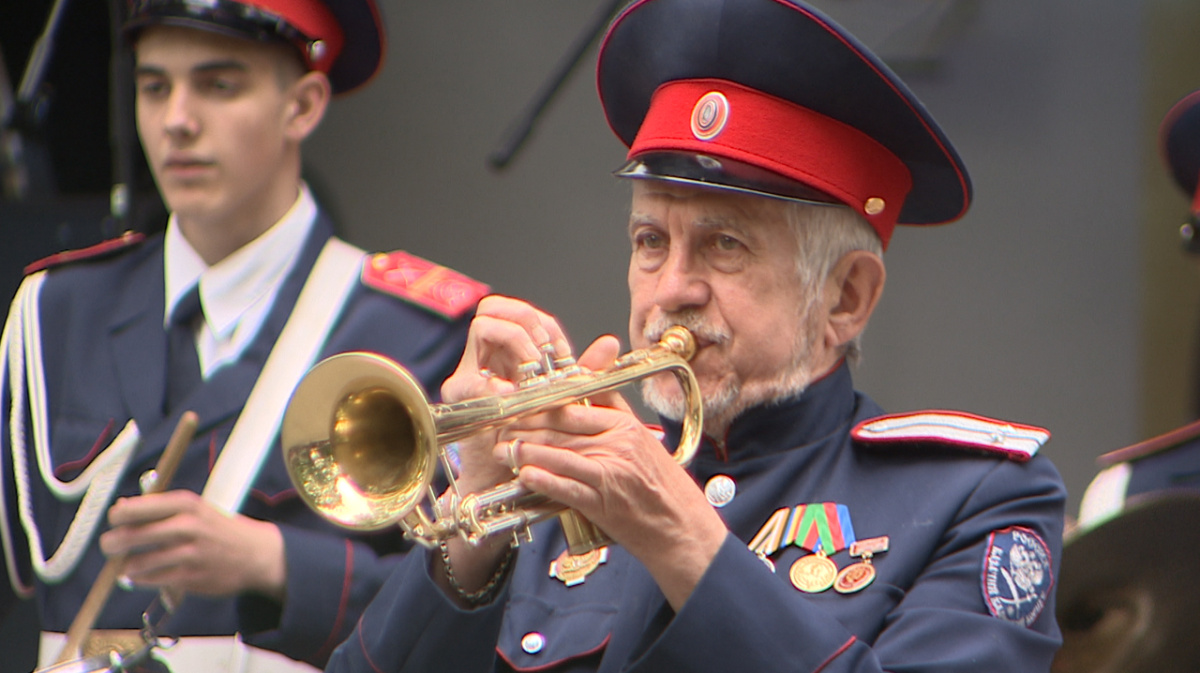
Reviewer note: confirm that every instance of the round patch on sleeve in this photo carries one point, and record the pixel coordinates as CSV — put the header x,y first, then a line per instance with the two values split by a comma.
x,y
1016,575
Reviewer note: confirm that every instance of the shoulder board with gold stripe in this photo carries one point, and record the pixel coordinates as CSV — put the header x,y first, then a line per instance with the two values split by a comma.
x,y
1168,440
439,289
954,428
103,249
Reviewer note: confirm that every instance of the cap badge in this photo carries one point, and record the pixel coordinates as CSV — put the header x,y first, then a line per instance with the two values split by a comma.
x,y
710,115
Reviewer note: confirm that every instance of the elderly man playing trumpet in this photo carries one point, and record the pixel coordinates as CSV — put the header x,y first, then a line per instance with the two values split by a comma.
x,y
770,157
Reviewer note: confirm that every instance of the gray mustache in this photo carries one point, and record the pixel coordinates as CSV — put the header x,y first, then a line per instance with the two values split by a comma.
x,y
695,323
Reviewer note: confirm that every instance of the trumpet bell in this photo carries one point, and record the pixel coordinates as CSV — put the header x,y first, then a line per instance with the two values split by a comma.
x,y
365,454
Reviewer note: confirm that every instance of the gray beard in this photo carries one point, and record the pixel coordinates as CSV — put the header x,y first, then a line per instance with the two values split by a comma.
x,y
723,405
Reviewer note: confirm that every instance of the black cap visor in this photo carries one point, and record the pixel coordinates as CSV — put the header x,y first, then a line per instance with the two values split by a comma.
x,y
719,173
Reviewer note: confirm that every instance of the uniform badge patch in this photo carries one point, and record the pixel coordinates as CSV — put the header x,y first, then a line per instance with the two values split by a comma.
x,y
1016,575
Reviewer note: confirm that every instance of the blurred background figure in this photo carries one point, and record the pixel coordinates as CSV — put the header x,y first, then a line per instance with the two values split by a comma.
x,y
1129,582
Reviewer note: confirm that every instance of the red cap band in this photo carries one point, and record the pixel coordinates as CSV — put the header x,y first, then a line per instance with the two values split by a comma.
x,y
747,125
313,18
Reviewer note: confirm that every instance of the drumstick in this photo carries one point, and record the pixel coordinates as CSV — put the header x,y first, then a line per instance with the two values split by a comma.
x,y
98,595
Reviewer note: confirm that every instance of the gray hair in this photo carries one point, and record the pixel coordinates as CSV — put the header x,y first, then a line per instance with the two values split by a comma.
x,y
824,234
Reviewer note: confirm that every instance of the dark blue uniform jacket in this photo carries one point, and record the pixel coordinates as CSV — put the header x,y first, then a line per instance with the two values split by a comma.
x,y
950,514
105,354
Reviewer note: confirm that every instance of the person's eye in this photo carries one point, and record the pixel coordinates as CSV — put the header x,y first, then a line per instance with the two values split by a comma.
x,y
151,87
727,243
649,240
221,86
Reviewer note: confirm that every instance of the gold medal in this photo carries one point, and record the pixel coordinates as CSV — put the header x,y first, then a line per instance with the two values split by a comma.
x,y
572,570
813,573
854,577
857,576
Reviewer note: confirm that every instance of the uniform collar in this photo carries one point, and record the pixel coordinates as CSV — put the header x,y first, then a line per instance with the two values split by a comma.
x,y
824,407
234,285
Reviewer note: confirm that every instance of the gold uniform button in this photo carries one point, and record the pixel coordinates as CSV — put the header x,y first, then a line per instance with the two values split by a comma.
x,y
874,205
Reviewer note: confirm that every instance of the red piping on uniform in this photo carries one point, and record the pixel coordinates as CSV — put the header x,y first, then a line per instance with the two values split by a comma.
x,y
333,640
212,451
67,467
126,239
273,500
835,655
362,646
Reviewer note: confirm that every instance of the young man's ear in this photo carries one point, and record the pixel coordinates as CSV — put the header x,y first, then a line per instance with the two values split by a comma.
x,y
309,97
856,283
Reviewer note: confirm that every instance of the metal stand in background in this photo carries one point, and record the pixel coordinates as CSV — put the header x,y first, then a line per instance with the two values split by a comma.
x,y
519,132
26,109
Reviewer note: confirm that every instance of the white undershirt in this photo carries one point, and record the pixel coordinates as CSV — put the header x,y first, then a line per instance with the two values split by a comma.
x,y
237,293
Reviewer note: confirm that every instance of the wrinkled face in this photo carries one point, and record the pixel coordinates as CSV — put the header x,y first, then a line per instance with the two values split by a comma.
x,y
211,114
724,265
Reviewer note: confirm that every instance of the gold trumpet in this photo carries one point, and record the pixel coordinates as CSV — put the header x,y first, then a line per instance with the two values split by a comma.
x,y
361,442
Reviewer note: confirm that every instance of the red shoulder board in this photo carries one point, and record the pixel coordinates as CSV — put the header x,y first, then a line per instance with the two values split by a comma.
x,y
97,251
1150,446
954,428
437,288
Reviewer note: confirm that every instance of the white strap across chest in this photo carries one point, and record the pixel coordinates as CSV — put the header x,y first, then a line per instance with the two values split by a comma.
x,y
333,277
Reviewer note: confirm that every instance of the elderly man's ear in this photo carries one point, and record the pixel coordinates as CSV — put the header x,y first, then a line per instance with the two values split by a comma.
x,y
852,290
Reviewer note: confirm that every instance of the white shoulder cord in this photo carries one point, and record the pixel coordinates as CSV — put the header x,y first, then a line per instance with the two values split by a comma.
x,y
21,362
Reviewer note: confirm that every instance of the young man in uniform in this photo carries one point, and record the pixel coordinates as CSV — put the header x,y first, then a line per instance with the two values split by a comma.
x,y
106,349
771,156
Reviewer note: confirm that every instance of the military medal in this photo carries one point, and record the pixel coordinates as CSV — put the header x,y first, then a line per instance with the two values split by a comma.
x,y
813,573
574,569
857,576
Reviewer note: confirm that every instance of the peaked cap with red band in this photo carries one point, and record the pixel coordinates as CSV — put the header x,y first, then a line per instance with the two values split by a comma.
x,y
1179,144
341,38
772,97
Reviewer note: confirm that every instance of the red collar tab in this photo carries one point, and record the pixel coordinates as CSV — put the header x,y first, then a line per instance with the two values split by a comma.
x,y
728,120
104,249
432,286
954,428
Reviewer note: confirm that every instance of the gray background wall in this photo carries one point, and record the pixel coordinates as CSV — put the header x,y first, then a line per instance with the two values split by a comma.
x,y
1035,307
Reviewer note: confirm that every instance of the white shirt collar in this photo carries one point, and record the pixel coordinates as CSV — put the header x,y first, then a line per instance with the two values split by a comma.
x,y
244,279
